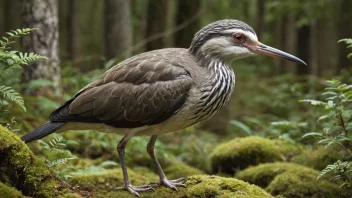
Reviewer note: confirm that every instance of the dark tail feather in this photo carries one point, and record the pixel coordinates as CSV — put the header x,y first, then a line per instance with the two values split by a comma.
x,y
42,131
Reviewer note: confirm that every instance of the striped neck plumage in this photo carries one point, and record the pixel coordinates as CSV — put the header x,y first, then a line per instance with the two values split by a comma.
x,y
216,91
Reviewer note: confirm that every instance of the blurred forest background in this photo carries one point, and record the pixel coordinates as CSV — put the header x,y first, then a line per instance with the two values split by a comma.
x,y
82,39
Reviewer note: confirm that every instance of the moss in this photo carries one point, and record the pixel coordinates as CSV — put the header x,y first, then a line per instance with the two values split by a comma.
x,y
70,195
287,150
180,169
7,191
289,180
243,152
318,158
197,186
22,170
107,181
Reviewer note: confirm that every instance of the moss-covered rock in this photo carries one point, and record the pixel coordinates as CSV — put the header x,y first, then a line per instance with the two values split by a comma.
x,y
20,169
243,152
289,180
108,181
7,191
103,185
318,158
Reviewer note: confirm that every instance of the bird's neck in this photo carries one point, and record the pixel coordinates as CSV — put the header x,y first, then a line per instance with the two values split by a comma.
x,y
213,64
216,90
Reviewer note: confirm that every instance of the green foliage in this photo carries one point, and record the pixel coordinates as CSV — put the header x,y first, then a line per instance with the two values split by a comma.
x,y
337,120
12,59
341,170
337,123
348,42
55,153
9,94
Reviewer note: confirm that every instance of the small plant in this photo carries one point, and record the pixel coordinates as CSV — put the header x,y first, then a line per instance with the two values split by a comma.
x,y
12,59
337,117
341,170
337,123
348,41
55,149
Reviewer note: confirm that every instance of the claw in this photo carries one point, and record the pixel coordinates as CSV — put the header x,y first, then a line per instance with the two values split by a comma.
x,y
171,183
135,189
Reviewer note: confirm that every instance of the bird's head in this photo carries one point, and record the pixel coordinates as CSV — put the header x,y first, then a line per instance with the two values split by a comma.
x,y
229,40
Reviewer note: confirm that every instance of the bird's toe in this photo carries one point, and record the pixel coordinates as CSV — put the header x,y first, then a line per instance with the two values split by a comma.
x,y
171,183
135,189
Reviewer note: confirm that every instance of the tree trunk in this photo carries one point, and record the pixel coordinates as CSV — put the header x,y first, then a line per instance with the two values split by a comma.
x,y
303,49
260,17
42,14
118,31
345,31
278,42
73,28
156,23
314,46
290,42
10,17
187,10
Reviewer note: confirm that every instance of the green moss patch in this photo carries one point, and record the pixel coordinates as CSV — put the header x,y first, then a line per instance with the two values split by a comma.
x,y
107,181
318,158
197,186
243,152
20,169
289,180
7,191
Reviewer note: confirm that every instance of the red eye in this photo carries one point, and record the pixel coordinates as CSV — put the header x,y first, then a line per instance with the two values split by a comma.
x,y
239,38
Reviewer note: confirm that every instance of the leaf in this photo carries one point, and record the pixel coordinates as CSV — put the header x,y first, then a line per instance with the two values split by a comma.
x,y
12,95
314,102
108,164
324,117
312,134
241,126
323,141
329,93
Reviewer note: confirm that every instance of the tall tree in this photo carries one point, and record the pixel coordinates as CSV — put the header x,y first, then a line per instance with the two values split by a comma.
x,y
345,31
303,48
290,32
156,23
118,28
73,25
43,15
186,11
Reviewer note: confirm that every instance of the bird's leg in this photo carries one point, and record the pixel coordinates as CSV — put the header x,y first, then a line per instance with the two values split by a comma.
x,y
163,180
127,185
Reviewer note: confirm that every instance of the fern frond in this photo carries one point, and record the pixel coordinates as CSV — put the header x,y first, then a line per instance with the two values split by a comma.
x,y
327,170
58,161
12,95
4,41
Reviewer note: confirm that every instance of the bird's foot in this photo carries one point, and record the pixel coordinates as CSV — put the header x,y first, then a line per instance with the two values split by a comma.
x,y
135,189
171,183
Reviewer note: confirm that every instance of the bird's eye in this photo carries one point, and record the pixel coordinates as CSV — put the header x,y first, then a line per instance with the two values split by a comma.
x,y
239,38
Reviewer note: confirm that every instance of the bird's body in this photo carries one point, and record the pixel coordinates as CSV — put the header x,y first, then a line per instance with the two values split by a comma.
x,y
174,78
161,91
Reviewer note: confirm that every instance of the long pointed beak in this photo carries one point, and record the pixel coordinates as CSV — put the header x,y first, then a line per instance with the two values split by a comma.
x,y
275,53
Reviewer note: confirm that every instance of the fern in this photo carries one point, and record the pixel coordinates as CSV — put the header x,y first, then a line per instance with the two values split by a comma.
x,y
11,59
341,170
12,95
58,161
348,42
4,41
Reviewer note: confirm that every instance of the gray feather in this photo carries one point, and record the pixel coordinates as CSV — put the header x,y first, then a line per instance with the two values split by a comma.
x,y
42,131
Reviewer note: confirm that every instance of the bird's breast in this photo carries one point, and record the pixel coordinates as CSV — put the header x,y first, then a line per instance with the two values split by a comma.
x,y
211,95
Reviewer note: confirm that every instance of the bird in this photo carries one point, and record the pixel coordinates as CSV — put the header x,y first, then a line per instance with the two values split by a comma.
x,y
161,91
